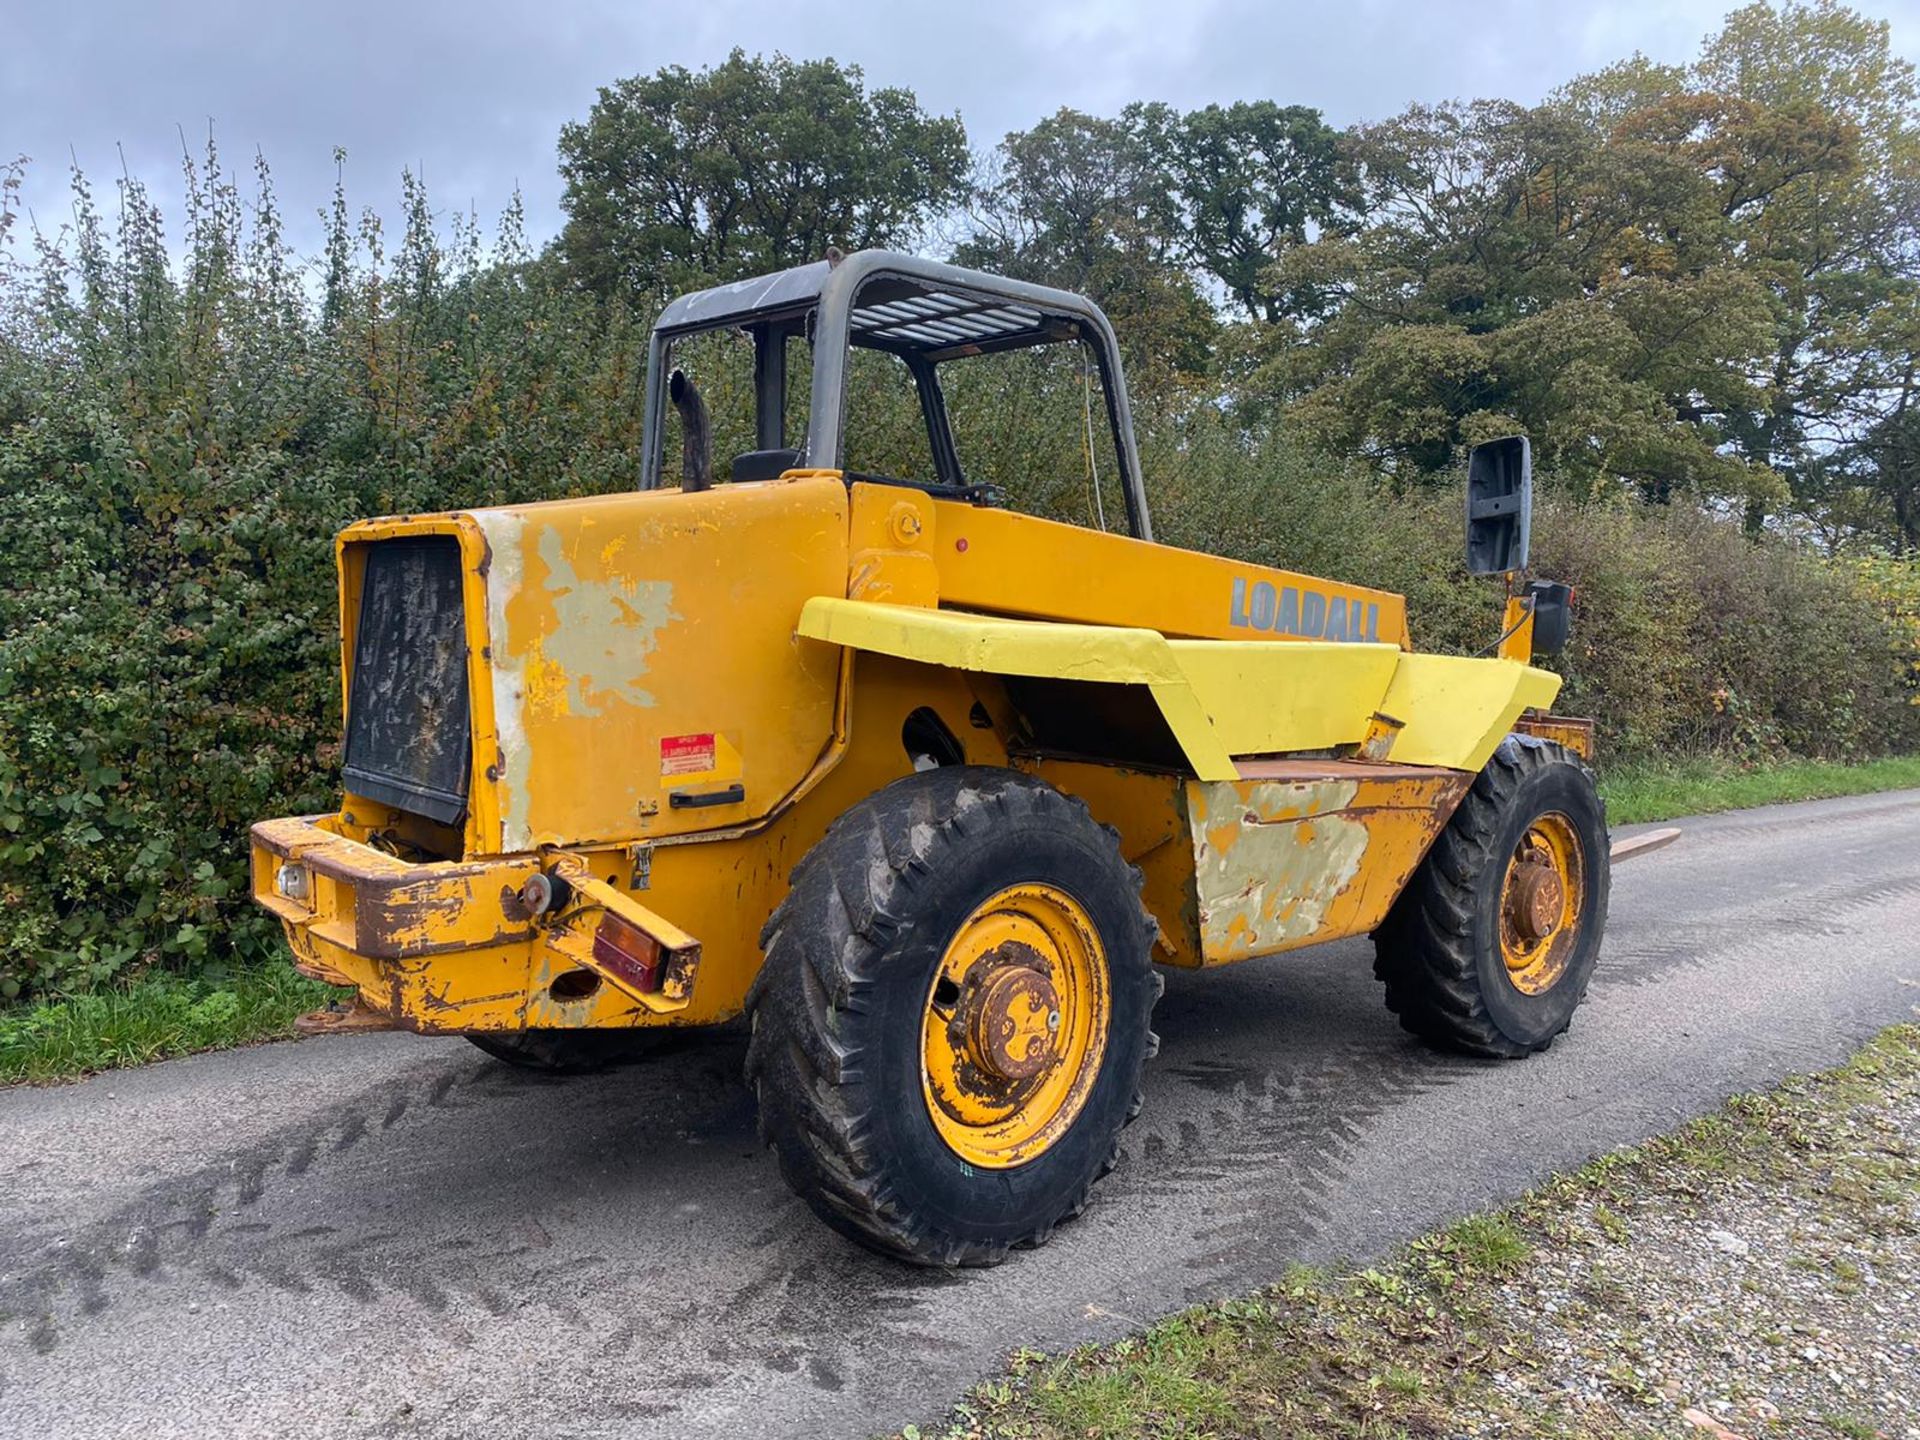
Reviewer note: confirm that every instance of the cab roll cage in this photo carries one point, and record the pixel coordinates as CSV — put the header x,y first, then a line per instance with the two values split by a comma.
x,y
923,311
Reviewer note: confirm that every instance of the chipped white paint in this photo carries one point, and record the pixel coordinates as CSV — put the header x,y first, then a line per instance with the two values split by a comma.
x,y
505,570
603,631
1268,866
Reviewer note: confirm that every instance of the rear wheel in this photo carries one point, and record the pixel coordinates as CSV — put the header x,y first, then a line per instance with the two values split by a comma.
x,y
564,1052
1491,946
952,1019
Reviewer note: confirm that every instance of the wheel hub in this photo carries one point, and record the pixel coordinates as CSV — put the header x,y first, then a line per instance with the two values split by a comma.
x,y
1541,903
1011,1020
1535,900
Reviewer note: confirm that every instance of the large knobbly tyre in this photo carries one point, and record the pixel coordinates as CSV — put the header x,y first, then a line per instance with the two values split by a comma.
x,y
1491,946
564,1052
953,1015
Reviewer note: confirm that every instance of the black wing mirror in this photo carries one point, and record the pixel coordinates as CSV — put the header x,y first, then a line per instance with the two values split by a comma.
x,y
1499,505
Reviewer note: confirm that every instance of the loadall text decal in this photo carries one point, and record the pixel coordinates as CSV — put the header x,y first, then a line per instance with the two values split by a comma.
x,y
1309,614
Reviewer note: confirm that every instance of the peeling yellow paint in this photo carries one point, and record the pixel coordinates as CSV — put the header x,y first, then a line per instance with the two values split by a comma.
x,y
583,621
1272,882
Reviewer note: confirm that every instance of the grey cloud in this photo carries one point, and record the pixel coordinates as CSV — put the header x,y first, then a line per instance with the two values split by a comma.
x,y
473,94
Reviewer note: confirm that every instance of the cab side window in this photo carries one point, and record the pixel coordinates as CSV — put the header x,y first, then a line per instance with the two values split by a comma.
x,y
885,428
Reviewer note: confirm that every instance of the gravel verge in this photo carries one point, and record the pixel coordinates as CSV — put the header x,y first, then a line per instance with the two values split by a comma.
x,y
1755,1274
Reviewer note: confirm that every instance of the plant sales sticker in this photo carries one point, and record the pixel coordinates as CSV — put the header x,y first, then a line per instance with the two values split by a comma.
x,y
687,754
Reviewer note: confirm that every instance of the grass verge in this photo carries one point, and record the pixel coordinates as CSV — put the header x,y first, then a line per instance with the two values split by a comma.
x,y
153,1018
1638,791
1616,1301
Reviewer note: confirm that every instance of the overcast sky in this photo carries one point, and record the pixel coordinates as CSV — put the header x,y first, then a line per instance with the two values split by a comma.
x,y
473,94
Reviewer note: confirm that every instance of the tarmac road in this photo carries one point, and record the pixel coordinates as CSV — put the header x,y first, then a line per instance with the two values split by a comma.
x,y
383,1235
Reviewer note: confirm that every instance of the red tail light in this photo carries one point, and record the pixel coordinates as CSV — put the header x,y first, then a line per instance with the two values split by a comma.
x,y
631,954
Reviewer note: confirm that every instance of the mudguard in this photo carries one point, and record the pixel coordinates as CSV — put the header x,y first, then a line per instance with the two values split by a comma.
x,y
1226,699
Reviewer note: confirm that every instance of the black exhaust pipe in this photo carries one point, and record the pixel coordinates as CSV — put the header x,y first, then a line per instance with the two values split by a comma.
x,y
696,466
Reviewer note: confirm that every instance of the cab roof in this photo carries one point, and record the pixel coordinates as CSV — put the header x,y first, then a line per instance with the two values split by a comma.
x,y
902,303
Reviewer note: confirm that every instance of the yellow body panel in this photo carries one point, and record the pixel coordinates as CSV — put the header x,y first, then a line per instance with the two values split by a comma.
x,y
778,637
1304,851
1265,699
1097,654
891,545
624,653
1011,564
1456,710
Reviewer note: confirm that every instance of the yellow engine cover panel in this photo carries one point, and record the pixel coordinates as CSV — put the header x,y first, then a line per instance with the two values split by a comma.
x,y
645,677
1013,564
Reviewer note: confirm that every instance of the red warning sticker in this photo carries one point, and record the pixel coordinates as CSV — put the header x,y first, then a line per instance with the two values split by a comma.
x,y
686,754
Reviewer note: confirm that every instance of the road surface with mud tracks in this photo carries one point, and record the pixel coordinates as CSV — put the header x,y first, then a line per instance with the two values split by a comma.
x,y
384,1235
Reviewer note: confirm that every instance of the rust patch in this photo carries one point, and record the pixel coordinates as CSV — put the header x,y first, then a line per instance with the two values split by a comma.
x,y
682,965
1382,730
513,906
998,1064
342,1020
402,918
998,1042
1573,731
393,909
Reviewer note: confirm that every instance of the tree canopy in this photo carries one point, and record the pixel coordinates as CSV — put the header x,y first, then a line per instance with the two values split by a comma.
x,y
686,176
1698,280
1692,281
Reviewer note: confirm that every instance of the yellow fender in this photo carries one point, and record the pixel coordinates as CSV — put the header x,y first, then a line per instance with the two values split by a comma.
x,y
1224,698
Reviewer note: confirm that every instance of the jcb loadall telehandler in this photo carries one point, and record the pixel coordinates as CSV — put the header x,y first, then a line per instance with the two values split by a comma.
x,y
925,787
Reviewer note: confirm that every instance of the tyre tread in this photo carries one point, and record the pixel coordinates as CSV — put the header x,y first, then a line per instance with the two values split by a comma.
x,y
1423,950
847,900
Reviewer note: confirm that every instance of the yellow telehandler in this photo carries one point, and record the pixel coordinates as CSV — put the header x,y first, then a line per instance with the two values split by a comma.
x,y
924,787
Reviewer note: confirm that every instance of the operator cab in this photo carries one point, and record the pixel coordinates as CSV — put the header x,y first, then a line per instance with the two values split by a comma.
x,y
862,364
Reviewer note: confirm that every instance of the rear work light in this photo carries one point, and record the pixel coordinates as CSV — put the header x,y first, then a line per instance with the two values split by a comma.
x,y
629,952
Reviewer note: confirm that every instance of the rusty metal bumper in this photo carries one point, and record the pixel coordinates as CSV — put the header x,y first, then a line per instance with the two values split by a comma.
x,y
449,947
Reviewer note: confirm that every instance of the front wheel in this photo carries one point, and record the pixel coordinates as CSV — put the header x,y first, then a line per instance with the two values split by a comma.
x,y
952,1019
1491,946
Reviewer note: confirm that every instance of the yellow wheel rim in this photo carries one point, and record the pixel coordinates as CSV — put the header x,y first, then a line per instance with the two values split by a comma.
x,y
1016,1024
1540,903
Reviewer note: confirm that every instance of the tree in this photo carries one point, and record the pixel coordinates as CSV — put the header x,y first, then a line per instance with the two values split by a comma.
x,y
1144,209
1823,204
751,165
1089,204
1255,178
1521,271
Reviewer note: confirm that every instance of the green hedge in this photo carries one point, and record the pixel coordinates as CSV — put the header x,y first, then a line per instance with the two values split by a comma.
x,y
180,442
1689,637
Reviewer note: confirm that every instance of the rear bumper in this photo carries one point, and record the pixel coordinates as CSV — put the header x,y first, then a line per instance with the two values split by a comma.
x,y
448,947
